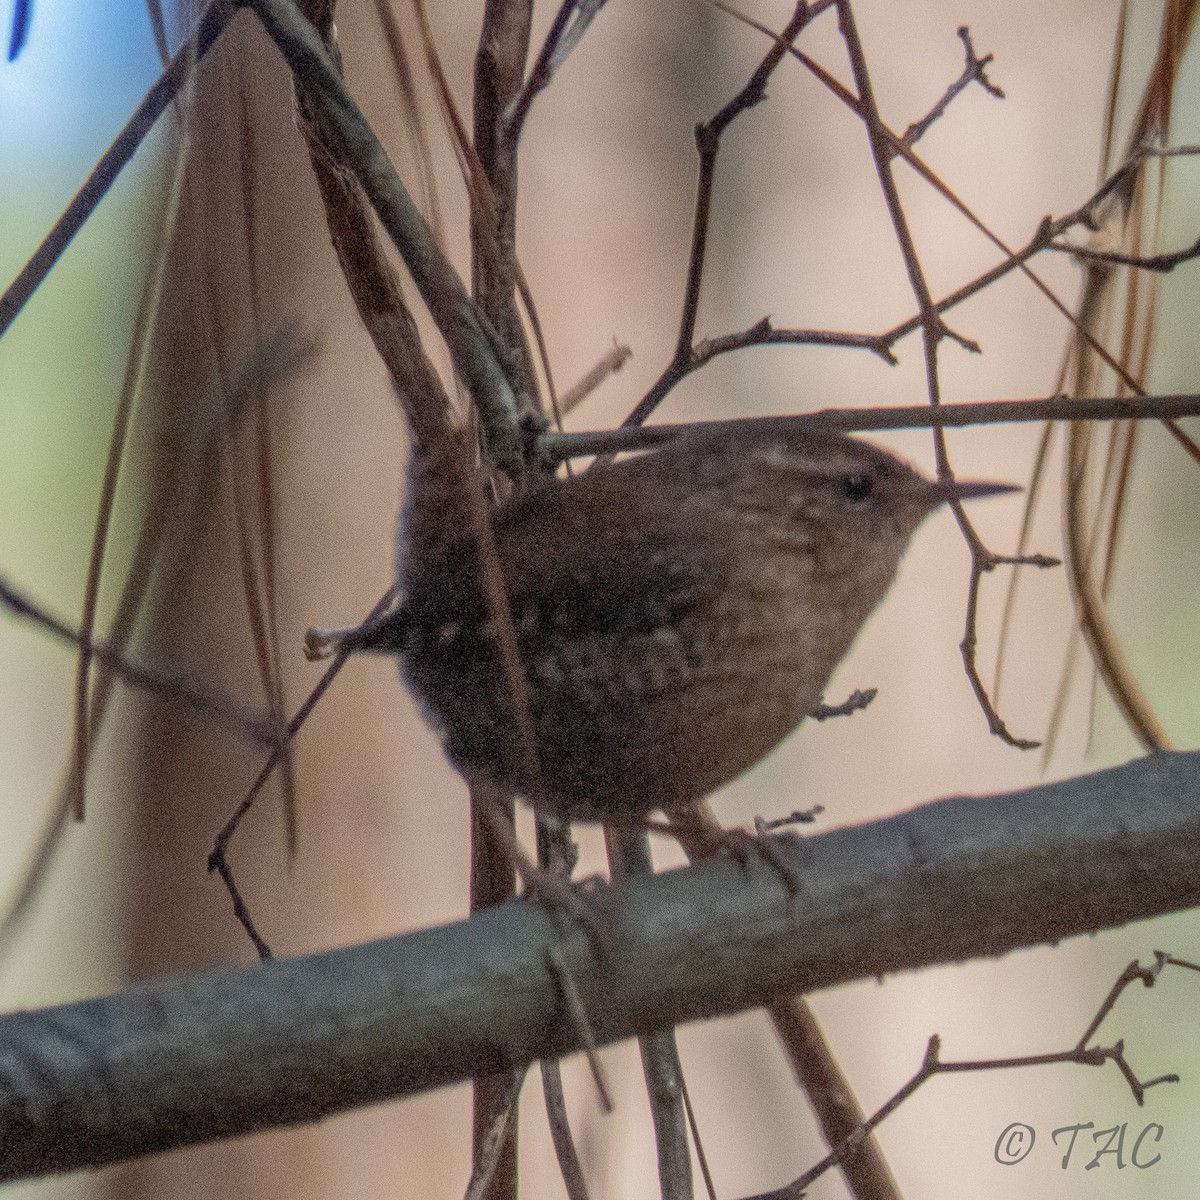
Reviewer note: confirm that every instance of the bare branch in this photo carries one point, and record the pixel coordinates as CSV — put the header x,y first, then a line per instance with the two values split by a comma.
x,y
218,858
975,71
1080,1055
189,1059
1161,263
462,325
570,24
558,447
629,858
708,143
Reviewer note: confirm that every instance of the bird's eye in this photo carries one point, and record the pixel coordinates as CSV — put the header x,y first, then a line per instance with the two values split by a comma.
x,y
857,487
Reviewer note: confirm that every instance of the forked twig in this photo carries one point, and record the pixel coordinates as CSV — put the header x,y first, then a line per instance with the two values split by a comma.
x,y
975,71
218,858
934,329
1080,1054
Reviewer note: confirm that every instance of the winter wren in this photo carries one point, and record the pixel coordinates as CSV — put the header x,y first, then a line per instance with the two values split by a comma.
x,y
677,613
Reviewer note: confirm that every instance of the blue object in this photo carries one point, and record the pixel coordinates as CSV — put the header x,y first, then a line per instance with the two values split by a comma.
x,y
20,28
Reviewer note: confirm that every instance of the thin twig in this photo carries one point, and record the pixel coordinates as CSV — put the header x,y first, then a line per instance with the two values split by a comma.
x,y
570,24
175,688
761,333
1050,228
1162,263
708,142
218,858
577,1015
982,562
933,329
855,702
812,1060
373,282
558,447
609,365
1133,973
975,71
1079,1055
710,1187
818,1072
569,1166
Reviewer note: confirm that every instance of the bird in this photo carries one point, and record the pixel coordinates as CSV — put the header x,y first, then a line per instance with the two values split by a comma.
x,y
677,613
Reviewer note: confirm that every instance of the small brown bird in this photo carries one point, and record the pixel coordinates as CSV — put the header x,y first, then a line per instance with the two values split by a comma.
x,y
677,613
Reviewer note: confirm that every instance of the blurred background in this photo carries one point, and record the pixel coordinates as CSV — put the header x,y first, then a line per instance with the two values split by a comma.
x,y
608,169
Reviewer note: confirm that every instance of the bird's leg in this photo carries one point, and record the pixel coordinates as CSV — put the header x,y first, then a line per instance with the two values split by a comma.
x,y
701,835
551,884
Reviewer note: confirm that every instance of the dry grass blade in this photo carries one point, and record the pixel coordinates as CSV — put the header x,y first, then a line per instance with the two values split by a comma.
x,y
136,367
1101,639
167,517
413,122
1015,259
255,500
1092,572
474,177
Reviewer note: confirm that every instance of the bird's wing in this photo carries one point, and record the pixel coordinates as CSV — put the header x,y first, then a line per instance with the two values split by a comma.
x,y
604,564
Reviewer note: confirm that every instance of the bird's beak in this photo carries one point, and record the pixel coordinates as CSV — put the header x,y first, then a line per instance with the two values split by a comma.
x,y
971,489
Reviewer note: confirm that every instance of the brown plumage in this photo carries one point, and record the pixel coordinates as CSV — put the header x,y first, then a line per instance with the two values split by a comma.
x,y
677,613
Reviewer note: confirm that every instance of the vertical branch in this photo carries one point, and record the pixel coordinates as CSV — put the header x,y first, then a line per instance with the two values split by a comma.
x,y
499,72
931,322
1085,559
817,1071
353,146
374,285
629,856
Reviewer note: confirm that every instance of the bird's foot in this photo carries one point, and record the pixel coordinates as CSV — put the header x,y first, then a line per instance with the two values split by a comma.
x,y
567,900
702,836
746,847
